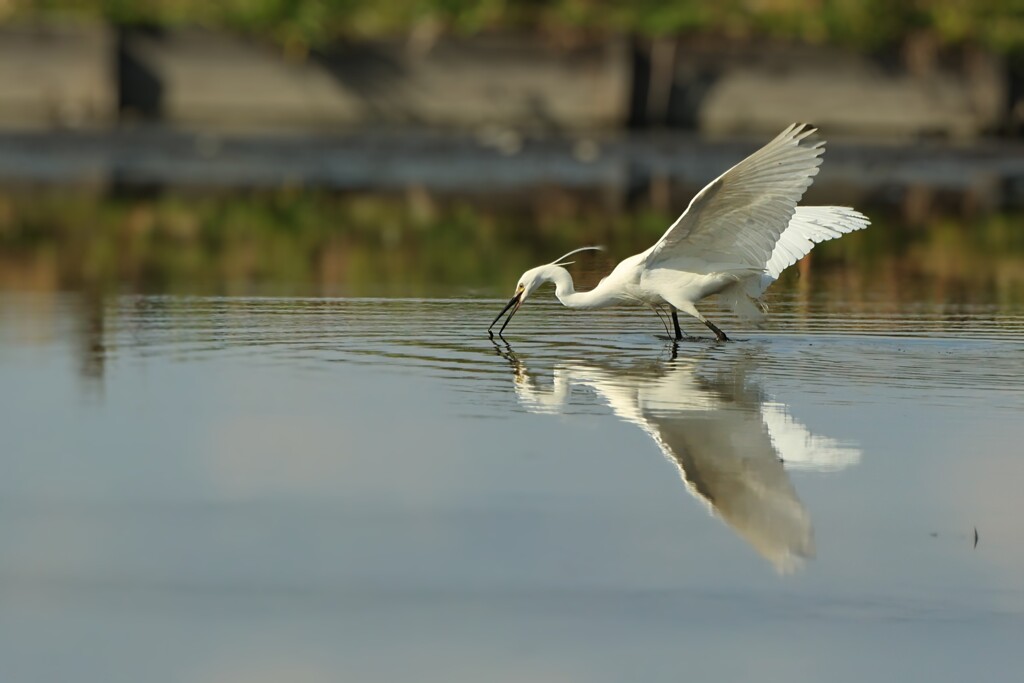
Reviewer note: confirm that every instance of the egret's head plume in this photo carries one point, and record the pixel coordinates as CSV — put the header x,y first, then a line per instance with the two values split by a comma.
x,y
535,277
560,261
531,280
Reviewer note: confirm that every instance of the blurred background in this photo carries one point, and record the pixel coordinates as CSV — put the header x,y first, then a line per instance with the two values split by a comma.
x,y
439,147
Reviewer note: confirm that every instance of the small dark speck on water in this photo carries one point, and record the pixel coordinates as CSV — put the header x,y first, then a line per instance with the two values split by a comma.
x,y
975,537
934,534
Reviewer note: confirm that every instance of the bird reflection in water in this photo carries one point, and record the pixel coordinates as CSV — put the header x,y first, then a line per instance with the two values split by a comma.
x,y
731,444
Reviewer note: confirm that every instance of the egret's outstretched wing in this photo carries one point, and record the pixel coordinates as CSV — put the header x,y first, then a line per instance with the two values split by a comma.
x,y
809,226
738,218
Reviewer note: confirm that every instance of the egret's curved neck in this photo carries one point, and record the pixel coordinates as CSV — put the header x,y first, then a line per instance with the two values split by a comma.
x,y
565,291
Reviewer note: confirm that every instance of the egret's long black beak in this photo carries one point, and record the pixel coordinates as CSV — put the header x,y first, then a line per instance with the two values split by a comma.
x,y
515,301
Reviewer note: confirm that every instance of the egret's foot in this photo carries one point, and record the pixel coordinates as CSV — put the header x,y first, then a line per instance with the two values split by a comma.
x,y
719,335
687,339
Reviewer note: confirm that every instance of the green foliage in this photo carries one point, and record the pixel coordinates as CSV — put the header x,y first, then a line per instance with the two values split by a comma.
x,y
302,24
296,242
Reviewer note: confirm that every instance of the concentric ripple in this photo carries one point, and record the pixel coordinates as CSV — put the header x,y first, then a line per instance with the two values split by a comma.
x,y
930,353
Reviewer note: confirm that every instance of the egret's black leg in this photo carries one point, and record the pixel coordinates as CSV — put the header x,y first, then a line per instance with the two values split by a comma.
x,y
675,321
719,335
660,318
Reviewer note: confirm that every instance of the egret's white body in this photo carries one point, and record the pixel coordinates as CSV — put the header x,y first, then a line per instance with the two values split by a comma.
x,y
734,239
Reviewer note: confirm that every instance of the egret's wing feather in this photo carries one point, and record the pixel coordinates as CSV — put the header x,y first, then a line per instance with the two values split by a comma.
x,y
811,225
738,218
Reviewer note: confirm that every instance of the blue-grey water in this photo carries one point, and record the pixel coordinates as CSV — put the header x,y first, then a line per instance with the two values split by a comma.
x,y
270,489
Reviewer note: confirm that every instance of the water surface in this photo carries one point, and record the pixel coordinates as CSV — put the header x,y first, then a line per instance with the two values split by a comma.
x,y
317,489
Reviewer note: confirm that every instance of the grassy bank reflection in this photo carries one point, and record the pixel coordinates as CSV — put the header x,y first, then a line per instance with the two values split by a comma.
x,y
415,244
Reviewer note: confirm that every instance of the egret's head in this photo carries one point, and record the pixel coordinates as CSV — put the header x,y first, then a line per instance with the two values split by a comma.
x,y
530,281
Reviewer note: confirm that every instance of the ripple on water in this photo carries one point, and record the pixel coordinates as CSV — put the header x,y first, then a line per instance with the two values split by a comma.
x,y
928,352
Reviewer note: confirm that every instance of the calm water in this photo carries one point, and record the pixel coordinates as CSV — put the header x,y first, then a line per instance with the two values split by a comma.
x,y
267,489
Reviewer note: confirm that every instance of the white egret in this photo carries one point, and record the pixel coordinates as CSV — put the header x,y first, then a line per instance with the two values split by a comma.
x,y
734,239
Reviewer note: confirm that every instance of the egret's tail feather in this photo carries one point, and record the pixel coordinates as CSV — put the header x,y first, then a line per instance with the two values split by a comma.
x,y
747,307
811,225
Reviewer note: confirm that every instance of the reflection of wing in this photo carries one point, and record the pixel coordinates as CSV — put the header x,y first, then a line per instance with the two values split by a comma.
x,y
728,459
726,442
800,449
